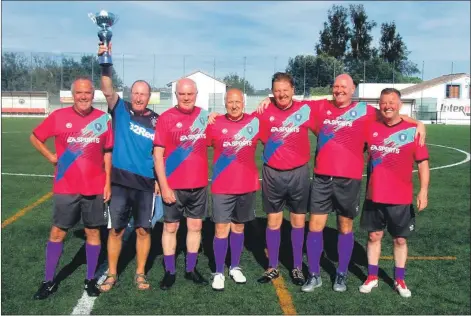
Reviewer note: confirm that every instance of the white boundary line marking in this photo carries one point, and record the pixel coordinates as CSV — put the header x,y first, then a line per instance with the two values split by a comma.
x,y
468,158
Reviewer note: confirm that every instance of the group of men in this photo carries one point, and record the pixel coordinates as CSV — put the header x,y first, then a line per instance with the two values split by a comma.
x,y
138,154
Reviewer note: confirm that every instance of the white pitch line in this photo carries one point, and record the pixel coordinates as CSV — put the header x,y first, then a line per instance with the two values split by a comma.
x,y
468,158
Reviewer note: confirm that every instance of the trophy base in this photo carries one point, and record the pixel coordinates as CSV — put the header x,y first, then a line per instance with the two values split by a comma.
x,y
105,61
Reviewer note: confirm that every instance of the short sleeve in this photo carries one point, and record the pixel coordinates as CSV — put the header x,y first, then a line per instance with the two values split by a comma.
x,y
421,152
46,128
372,113
161,133
315,106
109,142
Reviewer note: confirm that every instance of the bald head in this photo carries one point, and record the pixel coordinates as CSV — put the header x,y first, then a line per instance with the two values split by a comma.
x,y
342,90
186,94
235,103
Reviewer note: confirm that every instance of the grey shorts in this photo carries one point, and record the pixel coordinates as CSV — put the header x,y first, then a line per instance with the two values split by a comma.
x,y
237,208
69,208
191,203
125,200
399,219
285,189
335,194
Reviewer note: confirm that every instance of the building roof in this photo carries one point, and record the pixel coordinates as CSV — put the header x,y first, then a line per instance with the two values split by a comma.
x,y
186,76
432,83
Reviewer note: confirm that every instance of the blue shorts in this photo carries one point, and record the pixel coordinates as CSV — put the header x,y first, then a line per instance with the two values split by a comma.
x,y
125,201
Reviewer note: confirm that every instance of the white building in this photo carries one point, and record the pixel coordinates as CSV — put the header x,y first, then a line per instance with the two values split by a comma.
x,y
447,97
373,90
211,91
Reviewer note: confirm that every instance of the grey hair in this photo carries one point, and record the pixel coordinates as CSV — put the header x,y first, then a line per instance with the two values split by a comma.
x,y
143,81
79,78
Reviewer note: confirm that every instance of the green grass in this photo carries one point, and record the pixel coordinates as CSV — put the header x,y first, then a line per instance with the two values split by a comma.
x,y
439,287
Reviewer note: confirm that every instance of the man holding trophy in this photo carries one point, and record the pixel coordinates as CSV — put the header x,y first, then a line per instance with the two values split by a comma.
x,y
133,180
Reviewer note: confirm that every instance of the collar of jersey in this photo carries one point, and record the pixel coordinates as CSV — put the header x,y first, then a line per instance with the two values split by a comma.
x,y
188,113
394,125
80,114
241,118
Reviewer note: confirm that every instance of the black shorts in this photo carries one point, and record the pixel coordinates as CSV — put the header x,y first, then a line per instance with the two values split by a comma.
x,y
191,203
285,188
125,200
398,218
237,208
68,208
335,194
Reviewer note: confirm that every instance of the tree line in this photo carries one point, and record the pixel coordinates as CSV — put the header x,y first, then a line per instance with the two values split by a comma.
x,y
344,45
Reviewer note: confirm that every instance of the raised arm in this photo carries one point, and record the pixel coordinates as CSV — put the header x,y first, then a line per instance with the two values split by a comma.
x,y
424,179
106,81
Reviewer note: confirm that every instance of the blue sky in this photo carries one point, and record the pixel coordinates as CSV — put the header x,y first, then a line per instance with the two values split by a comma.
x,y
222,33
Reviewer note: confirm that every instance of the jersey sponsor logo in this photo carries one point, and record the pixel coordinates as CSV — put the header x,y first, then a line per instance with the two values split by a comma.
x,y
192,137
237,143
139,130
338,123
285,129
385,149
83,140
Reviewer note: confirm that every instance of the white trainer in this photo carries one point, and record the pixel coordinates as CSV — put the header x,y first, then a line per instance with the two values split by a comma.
x,y
370,283
402,289
237,275
218,282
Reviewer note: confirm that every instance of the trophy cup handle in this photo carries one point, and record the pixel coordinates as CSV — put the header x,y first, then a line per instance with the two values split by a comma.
x,y
92,17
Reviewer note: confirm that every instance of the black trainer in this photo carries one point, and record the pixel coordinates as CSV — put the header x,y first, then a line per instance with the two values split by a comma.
x,y
269,275
46,289
297,277
196,277
167,281
91,287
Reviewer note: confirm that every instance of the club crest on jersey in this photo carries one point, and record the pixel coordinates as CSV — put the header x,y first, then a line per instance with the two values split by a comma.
x,y
402,137
153,121
298,117
272,118
250,130
224,131
98,126
202,121
179,125
353,113
68,125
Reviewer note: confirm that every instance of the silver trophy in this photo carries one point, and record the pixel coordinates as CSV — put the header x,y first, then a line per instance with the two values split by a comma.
x,y
104,20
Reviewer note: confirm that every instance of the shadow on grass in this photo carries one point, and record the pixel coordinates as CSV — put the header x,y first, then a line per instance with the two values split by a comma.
x,y
254,242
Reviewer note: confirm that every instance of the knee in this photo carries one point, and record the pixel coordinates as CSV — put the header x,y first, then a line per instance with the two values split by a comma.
x,y
317,223
375,236
116,233
345,225
298,220
400,241
274,221
142,232
92,233
194,225
57,234
222,230
171,228
237,228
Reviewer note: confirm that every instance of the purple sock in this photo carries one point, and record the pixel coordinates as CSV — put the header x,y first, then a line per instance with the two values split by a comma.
x,y
297,241
315,245
191,261
92,251
220,252
53,253
399,273
273,244
237,244
344,248
373,270
170,263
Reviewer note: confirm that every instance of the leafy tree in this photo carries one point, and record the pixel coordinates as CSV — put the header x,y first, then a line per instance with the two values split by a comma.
x,y
15,72
234,81
361,38
334,37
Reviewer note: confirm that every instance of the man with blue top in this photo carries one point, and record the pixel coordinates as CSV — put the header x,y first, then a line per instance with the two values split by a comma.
x,y
133,180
